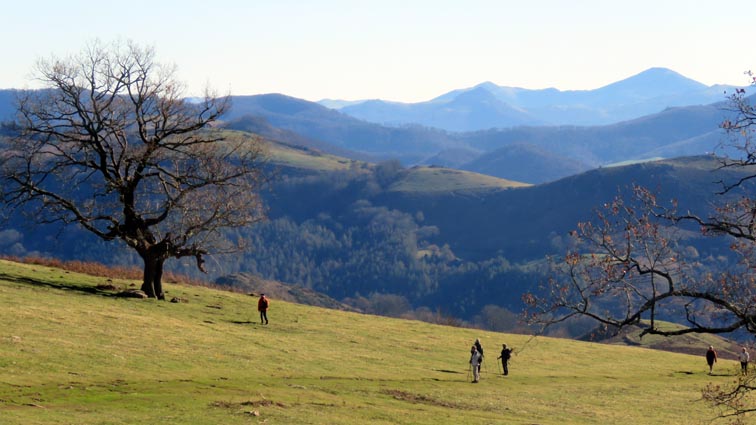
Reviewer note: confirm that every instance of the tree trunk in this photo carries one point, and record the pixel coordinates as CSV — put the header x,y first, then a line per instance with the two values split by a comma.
x,y
157,280
152,284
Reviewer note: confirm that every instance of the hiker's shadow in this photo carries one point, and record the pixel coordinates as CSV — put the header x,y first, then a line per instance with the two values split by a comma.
x,y
242,322
723,374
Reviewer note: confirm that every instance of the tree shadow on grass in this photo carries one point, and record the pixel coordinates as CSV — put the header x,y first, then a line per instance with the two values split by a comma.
x,y
92,290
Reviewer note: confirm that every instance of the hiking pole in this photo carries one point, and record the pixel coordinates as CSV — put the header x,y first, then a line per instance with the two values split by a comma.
x,y
469,369
498,367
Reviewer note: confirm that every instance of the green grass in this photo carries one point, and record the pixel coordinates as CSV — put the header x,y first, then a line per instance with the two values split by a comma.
x,y
298,158
633,161
71,354
438,179
689,343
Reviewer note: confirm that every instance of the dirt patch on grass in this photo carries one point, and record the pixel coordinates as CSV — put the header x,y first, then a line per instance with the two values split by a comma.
x,y
250,403
422,399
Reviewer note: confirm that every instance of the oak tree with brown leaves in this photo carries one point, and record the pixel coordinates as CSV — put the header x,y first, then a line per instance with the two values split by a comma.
x,y
627,266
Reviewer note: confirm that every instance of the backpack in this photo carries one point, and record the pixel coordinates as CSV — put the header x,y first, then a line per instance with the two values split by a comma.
x,y
507,354
263,303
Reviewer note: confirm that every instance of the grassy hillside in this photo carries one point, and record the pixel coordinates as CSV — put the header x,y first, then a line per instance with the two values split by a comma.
x,y
304,158
71,352
415,179
318,123
439,179
423,179
689,343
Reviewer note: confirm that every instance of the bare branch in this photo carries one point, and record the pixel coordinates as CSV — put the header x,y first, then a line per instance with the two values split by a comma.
x,y
112,145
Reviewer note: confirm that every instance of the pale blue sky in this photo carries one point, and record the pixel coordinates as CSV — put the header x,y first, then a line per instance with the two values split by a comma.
x,y
401,50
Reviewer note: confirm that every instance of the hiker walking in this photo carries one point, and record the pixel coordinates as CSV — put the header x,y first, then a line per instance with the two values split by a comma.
x,y
479,348
475,358
711,358
506,354
262,307
744,357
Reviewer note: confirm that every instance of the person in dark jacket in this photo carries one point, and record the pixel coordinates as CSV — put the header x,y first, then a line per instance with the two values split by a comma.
x,y
262,306
506,354
711,358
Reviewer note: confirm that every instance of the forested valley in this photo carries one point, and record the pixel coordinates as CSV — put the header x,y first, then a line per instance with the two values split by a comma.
x,y
455,253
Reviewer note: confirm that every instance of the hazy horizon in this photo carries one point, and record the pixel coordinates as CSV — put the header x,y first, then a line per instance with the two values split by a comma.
x,y
392,50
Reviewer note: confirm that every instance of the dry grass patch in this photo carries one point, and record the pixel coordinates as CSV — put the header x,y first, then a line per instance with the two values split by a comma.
x,y
423,399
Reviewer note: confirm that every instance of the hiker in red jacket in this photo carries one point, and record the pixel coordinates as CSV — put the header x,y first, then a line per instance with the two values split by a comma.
x,y
262,307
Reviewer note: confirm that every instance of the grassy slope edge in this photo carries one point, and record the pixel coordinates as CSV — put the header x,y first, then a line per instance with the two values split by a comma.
x,y
73,353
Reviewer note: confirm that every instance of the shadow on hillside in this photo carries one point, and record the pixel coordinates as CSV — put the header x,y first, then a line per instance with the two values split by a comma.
x,y
93,290
724,374
242,322
446,371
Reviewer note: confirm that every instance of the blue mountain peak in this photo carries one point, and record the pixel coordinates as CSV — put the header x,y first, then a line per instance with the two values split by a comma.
x,y
657,80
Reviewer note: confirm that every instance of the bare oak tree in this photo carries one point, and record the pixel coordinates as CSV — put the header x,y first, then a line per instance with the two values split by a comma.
x,y
112,145
629,268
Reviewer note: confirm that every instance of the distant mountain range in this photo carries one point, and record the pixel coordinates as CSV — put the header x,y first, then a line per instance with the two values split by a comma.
x,y
531,154
488,105
411,144
535,153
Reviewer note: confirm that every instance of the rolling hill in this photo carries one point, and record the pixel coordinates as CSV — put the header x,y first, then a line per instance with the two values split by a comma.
x,y
325,125
73,352
555,152
349,229
601,145
522,222
524,162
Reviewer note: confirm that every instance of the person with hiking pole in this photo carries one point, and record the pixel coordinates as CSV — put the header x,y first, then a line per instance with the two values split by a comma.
x,y
262,307
506,354
475,359
479,348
